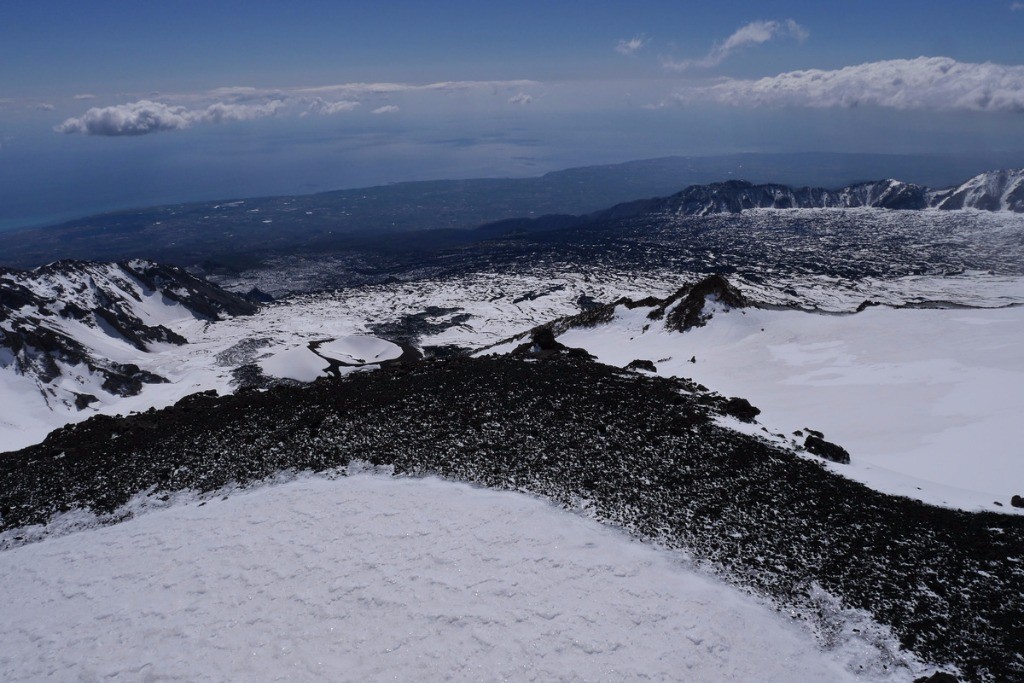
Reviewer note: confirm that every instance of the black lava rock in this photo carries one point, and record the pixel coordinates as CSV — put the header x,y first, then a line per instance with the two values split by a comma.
x,y
741,409
640,364
827,450
1017,501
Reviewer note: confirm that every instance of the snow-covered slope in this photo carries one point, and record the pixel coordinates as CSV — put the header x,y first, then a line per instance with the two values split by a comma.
x,y
926,400
75,335
373,578
992,191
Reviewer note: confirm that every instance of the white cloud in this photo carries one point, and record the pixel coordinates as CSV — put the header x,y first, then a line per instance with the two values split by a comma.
x,y
754,33
386,109
239,103
631,46
520,98
84,96
937,83
146,116
44,106
325,108
220,112
1016,6
135,118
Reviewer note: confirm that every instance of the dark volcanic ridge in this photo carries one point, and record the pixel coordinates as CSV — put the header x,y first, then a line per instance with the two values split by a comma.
x,y
641,452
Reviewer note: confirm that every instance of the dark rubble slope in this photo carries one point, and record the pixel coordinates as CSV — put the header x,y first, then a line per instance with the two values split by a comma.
x,y
645,456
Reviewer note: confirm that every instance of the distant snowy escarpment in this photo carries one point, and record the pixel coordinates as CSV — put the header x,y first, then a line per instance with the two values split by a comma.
x,y
994,191
74,330
991,191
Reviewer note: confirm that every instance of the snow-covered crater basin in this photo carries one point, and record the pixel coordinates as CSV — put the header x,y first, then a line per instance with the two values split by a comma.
x,y
359,349
367,578
307,362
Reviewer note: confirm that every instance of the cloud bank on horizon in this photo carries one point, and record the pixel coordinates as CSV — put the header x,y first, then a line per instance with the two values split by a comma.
x,y
935,83
246,104
924,83
146,116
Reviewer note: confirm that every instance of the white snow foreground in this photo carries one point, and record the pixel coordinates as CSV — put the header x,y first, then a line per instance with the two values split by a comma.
x,y
368,577
927,401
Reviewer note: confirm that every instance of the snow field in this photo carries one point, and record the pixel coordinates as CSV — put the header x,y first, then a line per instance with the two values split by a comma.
x,y
369,577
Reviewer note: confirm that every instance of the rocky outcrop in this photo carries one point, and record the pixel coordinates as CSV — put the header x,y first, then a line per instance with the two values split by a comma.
x,y
543,345
740,408
827,450
686,308
640,364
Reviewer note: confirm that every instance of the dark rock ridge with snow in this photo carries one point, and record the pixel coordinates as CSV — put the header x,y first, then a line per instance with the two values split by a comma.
x,y
641,452
48,316
991,191
682,310
736,195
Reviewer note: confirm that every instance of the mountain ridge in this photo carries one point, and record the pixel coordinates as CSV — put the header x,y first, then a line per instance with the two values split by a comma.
x,y
59,322
992,191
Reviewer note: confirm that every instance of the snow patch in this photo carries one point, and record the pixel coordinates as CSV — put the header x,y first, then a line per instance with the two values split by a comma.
x,y
359,350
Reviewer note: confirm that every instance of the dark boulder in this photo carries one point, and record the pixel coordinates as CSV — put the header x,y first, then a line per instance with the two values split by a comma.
x,y
741,409
1017,501
544,339
827,450
543,345
257,296
83,401
640,364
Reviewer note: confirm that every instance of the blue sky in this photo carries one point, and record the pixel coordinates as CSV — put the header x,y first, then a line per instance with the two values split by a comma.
x,y
107,104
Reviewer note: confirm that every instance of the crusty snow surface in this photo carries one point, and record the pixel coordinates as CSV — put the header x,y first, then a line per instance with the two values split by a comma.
x,y
370,578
